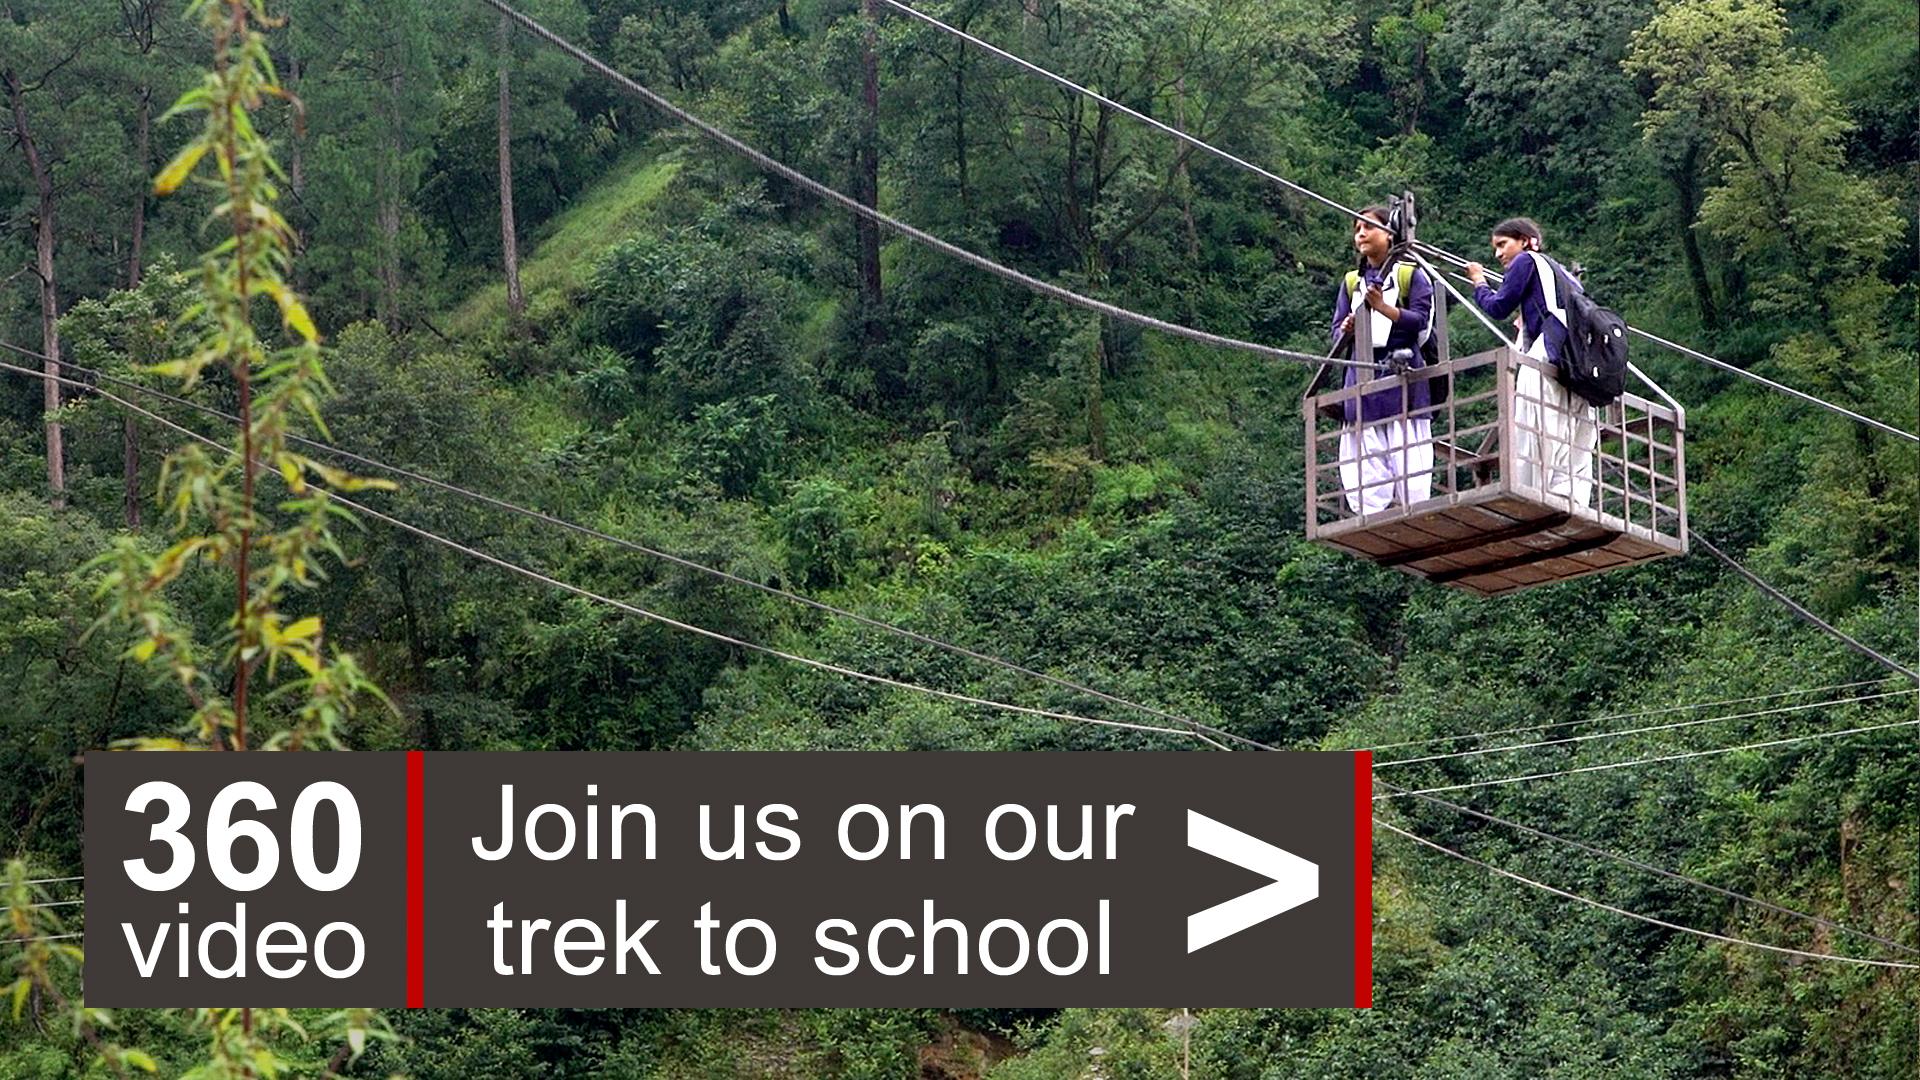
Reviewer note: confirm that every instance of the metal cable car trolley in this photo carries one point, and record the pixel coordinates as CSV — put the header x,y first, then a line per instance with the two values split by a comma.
x,y
1493,523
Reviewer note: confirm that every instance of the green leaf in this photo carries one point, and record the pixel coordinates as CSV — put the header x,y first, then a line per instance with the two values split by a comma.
x,y
178,169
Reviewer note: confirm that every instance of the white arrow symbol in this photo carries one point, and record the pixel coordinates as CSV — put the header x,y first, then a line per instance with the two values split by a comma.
x,y
1295,881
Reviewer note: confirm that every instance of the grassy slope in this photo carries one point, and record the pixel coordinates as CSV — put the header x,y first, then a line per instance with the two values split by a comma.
x,y
560,258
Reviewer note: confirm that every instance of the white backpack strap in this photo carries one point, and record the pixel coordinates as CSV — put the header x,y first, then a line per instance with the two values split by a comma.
x,y
1549,286
1390,292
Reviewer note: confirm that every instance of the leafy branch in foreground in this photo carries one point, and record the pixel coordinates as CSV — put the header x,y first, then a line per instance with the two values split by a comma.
x,y
213,499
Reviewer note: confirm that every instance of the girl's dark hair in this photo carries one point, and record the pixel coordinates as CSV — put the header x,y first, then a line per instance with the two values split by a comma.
x,y
1520,228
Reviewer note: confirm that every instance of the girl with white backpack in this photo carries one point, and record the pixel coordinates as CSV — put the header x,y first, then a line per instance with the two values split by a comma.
x,y
1386,449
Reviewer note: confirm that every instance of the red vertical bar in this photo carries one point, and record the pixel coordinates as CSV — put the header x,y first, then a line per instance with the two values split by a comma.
x,y
1363,879
416,880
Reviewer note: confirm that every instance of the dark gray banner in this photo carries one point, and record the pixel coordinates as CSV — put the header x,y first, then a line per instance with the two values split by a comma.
x,y
740,879
199,941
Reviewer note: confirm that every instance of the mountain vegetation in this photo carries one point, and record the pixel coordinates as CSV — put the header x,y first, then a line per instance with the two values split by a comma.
x,y
525,282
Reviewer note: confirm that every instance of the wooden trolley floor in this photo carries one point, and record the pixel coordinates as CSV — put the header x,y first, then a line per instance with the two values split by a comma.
x,y
1491,541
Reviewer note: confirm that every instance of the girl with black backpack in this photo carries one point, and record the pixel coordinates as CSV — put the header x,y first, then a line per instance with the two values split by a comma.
x,y
1554,432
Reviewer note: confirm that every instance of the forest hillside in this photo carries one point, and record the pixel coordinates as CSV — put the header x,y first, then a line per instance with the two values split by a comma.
x,y
643,334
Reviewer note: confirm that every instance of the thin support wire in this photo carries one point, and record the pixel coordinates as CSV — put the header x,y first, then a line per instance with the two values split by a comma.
x,y
1723,938
724,575
634,609
1622,715
1674,726
1653,760
1804,615
1658,871
1465,301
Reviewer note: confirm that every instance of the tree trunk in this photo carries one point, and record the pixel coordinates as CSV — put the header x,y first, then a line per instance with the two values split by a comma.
x,y
1778,189
786,20
1685,186
1096,392
130,471
960,124
49,299
141,140
1097,264
296,159
1186,183
868,179
509,246
1419,87
389,211
410,614
297,174
129,428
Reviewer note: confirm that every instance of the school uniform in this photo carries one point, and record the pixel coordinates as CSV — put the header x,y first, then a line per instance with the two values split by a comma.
x,y
1385,456
1554,431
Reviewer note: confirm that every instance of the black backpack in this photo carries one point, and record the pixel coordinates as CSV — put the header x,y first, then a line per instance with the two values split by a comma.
x,y
1594,362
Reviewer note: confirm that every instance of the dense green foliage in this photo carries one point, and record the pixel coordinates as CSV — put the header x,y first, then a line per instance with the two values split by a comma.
x,y
694,370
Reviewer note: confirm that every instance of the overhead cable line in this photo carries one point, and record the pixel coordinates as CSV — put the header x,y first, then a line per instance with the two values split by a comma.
x,y
865,620
1300,189
49,937
633,609
951,250
727,639
1466,302
1714,362
1653,760
1602,905
1622,715
1673,726
1794,606
879,624
677,560
1656,870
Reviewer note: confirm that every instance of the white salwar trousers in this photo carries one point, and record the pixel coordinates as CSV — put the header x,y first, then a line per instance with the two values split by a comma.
x,y
1387,462
1554,434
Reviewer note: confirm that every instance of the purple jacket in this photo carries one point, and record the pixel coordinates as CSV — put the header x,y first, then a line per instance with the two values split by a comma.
x,y
1416,316
1523,288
